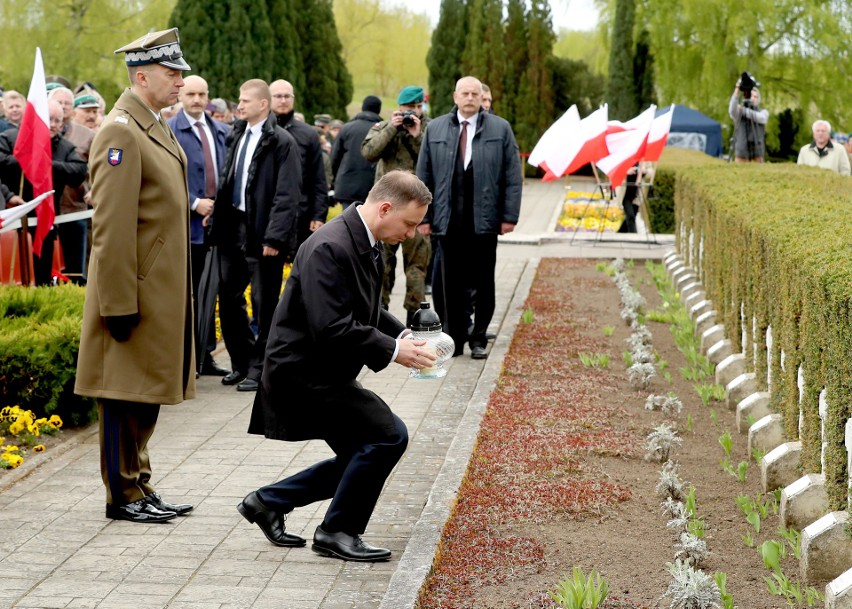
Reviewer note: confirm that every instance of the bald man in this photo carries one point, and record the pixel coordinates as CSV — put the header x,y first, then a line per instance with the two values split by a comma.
x,y
203,142
313,200
469,161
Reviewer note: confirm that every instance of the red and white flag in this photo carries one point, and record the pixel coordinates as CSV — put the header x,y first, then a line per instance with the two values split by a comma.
x,y
626,147
571,143
658,135
33,152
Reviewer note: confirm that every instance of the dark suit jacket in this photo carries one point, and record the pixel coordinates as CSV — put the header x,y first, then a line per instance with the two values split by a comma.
x,y
187,137
328,325
272,192
313,203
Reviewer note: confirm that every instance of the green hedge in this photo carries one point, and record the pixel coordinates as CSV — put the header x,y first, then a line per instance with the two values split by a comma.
x,y
661,198
39,341
772,240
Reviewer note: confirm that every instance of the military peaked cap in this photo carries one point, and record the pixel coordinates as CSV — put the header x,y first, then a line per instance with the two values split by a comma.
x,y
157,47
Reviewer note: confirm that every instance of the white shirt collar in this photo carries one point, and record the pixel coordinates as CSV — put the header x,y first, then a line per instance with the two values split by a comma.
x,y
191,120
471,122
369,232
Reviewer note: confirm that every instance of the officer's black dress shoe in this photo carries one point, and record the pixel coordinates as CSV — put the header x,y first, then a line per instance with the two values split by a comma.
x,y
180,509
233,378
488,336
478,353
211,368
347,547
139,511
247,385
269,521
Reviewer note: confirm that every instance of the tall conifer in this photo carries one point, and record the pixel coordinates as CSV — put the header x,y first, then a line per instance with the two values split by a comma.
x,y
621,91
286,58
534,112
516,48
643,72
445,55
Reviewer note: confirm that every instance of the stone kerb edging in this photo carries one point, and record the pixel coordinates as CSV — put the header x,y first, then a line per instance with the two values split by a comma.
x,y
826,548
416,561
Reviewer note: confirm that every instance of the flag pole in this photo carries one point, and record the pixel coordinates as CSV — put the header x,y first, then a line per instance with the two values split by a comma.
x,y
24,242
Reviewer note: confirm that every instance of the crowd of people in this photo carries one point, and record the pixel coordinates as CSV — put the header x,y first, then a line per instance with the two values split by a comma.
x,y
195,199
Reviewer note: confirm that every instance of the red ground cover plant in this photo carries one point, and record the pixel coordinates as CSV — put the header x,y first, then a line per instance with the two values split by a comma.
x,y
528,467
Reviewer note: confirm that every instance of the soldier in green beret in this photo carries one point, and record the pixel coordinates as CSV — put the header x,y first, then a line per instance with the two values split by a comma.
x,y
395,144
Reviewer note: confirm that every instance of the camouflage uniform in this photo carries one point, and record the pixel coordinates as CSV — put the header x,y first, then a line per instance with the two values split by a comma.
x,y
396,149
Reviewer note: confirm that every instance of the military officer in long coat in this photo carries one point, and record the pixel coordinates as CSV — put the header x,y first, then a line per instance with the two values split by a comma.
x,y
136,346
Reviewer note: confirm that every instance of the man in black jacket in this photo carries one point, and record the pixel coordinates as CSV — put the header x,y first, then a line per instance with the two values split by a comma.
x,y
254,225
353,174
68,170
313,200
328,326
469,161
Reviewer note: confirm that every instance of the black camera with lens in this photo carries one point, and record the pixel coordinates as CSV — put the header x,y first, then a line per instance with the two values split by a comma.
x,y
408,118
747,84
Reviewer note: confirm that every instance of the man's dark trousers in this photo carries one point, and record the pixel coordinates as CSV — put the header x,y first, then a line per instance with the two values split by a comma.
x,y
368,440
237,270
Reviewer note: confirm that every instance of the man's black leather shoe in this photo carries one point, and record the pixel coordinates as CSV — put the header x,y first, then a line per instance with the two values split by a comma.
x,y
247,385
347,547
211,368
269,521
139,511
488,336
478,353
235,377
180,509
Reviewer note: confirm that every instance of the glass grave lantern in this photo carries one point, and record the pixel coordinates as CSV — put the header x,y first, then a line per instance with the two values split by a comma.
x,y
426,325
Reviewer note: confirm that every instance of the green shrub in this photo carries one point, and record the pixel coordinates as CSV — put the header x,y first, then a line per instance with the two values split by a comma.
x,y
39,342
661,198
772,242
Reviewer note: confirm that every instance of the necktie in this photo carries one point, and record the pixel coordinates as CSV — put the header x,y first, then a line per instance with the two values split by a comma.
x,y
238,174
377,253
209,171
463,143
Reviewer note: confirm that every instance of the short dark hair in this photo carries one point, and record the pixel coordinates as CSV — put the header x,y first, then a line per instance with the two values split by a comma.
x,y
400,188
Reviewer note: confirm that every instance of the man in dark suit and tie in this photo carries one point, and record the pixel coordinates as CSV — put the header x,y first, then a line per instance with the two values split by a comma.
x,y
254,226
328,325
203,142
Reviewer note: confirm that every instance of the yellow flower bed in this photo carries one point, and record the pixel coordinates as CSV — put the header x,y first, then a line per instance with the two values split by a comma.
x,y
25,427
587,211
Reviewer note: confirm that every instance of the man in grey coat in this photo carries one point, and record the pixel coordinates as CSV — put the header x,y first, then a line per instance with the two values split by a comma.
x,y
469,161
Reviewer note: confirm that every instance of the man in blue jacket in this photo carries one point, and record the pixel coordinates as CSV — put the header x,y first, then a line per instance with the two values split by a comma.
x,y
203,142
469,161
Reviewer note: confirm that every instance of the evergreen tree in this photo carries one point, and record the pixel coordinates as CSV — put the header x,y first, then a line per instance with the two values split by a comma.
x,y
575,83
328,84
242,48
445,55
517,57
286,58
621,92
483,55
643,72
534,112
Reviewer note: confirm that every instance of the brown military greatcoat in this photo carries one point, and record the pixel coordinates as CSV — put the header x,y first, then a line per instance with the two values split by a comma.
x,y
139,263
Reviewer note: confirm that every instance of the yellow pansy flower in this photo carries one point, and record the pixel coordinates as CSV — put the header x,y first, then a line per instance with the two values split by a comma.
x,y
39,448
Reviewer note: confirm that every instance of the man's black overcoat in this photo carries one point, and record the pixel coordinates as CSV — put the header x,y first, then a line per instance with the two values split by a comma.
x,y
327,326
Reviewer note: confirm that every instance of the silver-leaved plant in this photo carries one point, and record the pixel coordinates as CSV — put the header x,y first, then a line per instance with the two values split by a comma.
x,y
691,549
661,441
692,588
640,375
670,485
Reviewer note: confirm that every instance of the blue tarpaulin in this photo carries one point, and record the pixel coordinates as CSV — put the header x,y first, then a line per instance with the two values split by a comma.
x,y
692,129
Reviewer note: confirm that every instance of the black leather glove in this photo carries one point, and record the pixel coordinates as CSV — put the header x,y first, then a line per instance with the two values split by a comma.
x,y
121,325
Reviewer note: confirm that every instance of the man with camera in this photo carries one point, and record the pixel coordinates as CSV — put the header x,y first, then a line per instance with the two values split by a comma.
x,y
749,121
395,144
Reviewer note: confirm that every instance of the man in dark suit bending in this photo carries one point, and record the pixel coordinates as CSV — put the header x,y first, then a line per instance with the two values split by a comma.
x,y
328,325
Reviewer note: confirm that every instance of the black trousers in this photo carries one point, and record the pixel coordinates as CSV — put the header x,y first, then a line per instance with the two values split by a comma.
x,y
197,257
124,430
464,266
236,271
43,265
73,236
368,440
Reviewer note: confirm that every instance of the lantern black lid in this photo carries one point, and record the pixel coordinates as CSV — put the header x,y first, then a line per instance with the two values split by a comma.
x,y
425,320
